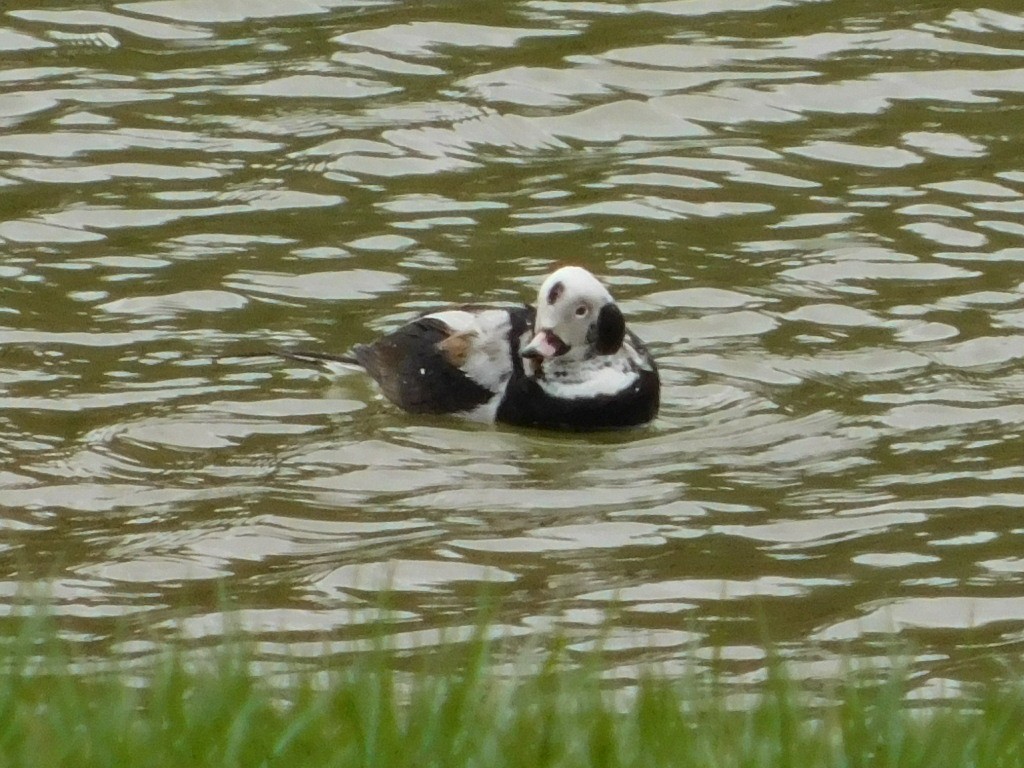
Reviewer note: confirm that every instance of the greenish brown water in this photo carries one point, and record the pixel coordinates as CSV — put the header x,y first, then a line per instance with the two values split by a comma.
x,y
813,211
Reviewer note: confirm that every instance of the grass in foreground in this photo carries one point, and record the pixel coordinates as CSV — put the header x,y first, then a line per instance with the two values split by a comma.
x,y
221,713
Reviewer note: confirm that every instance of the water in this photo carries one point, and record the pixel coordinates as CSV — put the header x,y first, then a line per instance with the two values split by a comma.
x,y
812,211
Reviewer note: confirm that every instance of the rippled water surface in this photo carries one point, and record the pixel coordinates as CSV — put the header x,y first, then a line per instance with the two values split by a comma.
x,y
813,211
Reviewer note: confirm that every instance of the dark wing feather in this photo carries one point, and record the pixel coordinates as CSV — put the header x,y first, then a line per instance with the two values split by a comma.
x,y
415,373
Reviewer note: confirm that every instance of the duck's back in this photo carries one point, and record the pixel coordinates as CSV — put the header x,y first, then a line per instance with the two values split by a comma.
x,y
455,361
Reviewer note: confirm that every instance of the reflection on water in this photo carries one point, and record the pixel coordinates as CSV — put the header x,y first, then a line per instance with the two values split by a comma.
x,y
815,220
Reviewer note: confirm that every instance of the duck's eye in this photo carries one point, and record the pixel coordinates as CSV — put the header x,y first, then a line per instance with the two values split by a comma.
x,y
581,310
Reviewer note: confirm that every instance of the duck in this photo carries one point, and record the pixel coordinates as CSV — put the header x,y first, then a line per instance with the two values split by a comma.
x,y
567,363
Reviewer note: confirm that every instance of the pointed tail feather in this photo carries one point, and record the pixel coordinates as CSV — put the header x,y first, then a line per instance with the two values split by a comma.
x,y
319,359
323,360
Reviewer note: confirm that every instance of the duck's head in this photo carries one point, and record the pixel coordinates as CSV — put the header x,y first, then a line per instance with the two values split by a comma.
x,y
576,318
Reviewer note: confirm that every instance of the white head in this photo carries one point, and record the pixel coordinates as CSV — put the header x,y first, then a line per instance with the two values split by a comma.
x,y
576,318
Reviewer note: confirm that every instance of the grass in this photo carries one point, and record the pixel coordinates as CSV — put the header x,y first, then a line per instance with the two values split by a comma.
x,y
179,710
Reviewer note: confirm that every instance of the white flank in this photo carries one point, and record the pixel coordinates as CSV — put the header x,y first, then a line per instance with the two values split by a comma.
x,y
485,413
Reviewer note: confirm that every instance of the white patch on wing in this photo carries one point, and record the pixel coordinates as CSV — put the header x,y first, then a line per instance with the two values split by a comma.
x,y
460,320
488,361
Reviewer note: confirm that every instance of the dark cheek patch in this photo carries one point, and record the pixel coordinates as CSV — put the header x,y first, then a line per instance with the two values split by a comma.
x,y
610,330
556,291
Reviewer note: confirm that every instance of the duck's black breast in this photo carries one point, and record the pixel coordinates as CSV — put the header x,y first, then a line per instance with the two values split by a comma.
x,y
527,404
422,366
